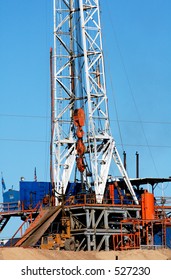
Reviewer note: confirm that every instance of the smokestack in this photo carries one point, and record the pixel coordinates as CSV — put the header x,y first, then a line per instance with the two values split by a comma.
x,y
137,165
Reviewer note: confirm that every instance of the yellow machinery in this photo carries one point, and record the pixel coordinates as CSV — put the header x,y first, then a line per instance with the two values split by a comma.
x,y
62,240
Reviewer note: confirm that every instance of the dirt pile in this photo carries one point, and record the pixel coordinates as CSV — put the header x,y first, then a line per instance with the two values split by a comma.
x,y
38,254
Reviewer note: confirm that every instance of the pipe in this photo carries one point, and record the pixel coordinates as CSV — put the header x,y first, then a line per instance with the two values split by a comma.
x,y
124,155
137,165
52,118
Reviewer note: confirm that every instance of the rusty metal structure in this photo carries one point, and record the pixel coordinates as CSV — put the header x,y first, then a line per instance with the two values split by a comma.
x,y
105,212
115,224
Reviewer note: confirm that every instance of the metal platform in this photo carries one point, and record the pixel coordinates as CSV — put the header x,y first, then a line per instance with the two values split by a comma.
x,y
95,227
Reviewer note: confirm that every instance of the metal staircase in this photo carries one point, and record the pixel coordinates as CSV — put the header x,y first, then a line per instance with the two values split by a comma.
x,y
38,227
3,221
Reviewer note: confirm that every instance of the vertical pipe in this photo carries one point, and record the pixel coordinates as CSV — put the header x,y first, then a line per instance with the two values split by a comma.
x,y
94,242
72,66
124,161
52,119
107,243
106,223
137,165
111,193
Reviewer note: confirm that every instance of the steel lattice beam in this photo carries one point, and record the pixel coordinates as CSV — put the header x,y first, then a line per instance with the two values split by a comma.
x,y
79,81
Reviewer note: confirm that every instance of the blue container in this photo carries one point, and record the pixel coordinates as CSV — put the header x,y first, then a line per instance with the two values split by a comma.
x,y
168,237
158,237
117,196
11,200
31,193
73,188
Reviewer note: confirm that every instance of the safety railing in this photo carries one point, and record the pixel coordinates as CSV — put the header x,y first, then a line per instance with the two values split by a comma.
x,y
91,199
27,220
11,206
17,206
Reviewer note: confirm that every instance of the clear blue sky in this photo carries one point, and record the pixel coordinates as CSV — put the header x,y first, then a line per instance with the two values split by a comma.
x,y
137,50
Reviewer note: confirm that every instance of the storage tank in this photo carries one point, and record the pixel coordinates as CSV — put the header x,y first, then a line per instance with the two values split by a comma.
x,y
147,206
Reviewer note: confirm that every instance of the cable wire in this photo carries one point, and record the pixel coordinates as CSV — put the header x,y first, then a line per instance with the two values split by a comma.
x,y
130,87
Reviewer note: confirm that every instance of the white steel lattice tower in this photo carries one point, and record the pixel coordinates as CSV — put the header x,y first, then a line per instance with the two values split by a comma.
x,y
79,82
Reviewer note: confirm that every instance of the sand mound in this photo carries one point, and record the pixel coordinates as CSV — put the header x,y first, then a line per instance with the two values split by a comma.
x,y
38,254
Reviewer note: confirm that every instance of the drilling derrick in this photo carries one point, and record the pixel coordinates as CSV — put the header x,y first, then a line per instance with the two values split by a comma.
x,y
92,210
82,143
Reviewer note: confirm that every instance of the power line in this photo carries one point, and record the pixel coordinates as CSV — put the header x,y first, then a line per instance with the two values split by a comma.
x,y
111,120
147,122
130,87
24,140
24,116
146,146
118,144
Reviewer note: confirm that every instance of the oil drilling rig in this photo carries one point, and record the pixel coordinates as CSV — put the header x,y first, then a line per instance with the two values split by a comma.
x,y
81,128
102,211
